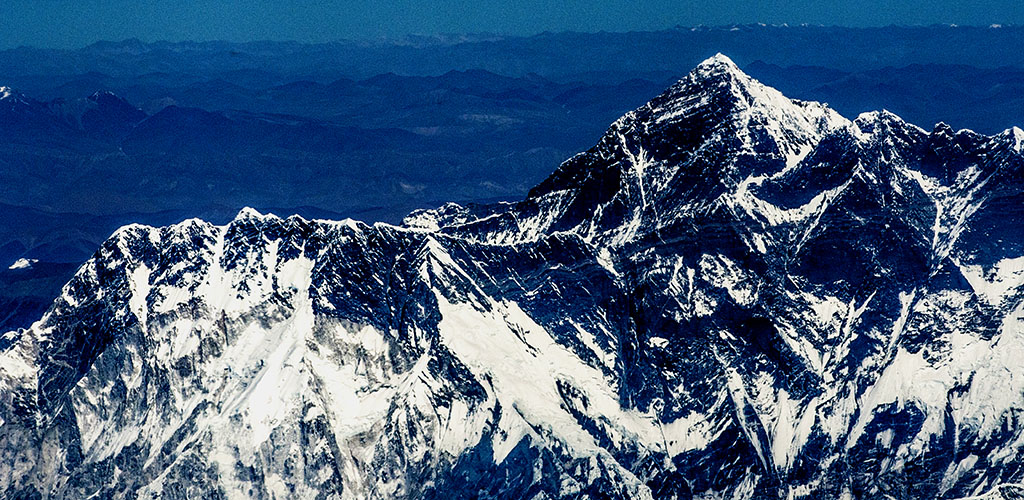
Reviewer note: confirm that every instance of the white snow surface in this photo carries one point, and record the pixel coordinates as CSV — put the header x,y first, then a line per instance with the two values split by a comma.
x,y
23,263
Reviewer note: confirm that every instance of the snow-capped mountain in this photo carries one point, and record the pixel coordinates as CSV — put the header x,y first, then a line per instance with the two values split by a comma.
x,y
732,295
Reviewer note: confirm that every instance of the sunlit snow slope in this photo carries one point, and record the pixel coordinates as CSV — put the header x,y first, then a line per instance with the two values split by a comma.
x,y
731,295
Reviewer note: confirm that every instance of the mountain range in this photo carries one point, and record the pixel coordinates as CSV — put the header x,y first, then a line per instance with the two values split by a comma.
x,y
120,132
732,294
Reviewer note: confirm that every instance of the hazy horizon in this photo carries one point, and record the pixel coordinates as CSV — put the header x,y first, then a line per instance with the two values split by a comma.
x,y
453,37
63,24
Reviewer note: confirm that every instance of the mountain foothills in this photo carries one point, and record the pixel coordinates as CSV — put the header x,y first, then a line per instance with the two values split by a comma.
x,y
731,295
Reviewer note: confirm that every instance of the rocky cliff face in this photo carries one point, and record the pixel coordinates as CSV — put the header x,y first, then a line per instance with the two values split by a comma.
x,y
732,295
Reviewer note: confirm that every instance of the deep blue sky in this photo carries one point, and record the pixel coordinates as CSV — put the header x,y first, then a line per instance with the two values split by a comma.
x,y
74,23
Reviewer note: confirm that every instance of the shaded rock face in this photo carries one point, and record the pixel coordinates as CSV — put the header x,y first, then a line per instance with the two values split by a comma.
x,y
732,295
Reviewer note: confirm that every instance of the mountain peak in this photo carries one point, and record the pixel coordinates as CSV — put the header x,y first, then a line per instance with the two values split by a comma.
x,y
105,95
1014,137
12,98
720,72
718,93
247,213
716,75
7,93
718,64
671,153
719,90
873,126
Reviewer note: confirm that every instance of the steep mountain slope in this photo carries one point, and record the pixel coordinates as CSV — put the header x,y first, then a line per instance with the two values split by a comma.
x,y
985,100
732,295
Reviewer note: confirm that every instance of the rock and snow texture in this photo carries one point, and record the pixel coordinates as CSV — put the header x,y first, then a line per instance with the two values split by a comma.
x,y
732,295
22,263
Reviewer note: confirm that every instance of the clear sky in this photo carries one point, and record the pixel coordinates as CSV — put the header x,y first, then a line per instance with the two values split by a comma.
x,y
74,23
